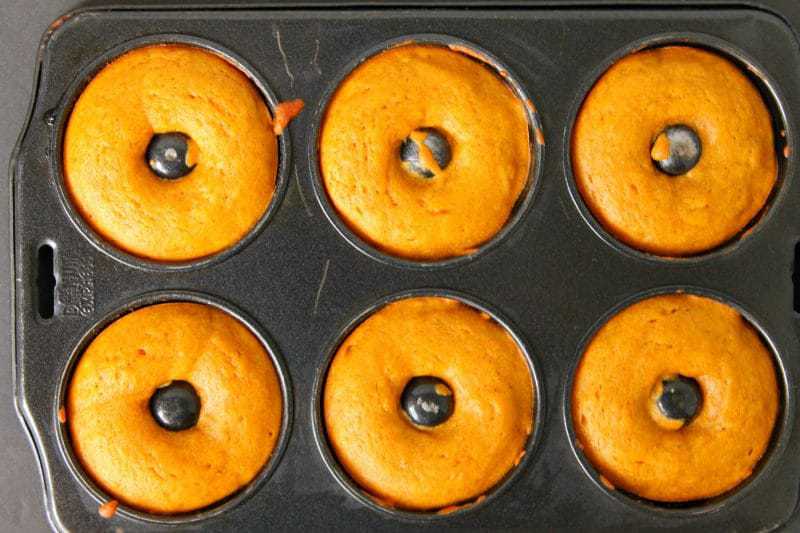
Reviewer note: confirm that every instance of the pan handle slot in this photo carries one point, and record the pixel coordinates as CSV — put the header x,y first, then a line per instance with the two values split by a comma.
x,y
45,281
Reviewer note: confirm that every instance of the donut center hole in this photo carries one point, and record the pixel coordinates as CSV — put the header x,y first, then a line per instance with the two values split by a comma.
x,y
676,150
427,401
168,155
677,400
425,153
175,406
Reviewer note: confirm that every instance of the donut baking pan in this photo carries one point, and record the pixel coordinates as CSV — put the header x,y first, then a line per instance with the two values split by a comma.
x,y
302,279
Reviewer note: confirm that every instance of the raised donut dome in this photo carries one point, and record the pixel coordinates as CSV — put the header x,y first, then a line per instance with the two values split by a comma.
x,y
428,403
424,152
673,151
169,153
174,407
675,399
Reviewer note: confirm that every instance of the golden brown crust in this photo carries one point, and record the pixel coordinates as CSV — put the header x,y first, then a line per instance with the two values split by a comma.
x,y
384,100
623,114
160,89
122,447
612,398
435,468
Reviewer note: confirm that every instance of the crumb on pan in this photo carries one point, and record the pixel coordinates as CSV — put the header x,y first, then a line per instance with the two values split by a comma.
x,y
108,509
58,22
539,136
468,51
285,112
519,458
453,508
405,42
62,415
661,148
471,52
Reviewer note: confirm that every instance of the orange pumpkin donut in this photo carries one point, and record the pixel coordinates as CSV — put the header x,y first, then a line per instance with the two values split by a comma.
x,y
675,399
163,89
621,151
150,463
424,152
411,454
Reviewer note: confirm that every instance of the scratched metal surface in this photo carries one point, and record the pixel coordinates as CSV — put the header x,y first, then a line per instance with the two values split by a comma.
x,y
553,277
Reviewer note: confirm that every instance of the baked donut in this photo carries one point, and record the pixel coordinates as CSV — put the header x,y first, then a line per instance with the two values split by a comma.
x,y
428,403
424,152
673,151
169,153
675,399
131,439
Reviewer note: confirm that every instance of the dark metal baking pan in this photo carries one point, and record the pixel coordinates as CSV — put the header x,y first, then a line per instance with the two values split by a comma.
x,y
301,283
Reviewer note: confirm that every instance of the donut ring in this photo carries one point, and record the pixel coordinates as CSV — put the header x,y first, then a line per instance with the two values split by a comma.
x,y
407,466
160,89
122,447
612,399
612,157
385,100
